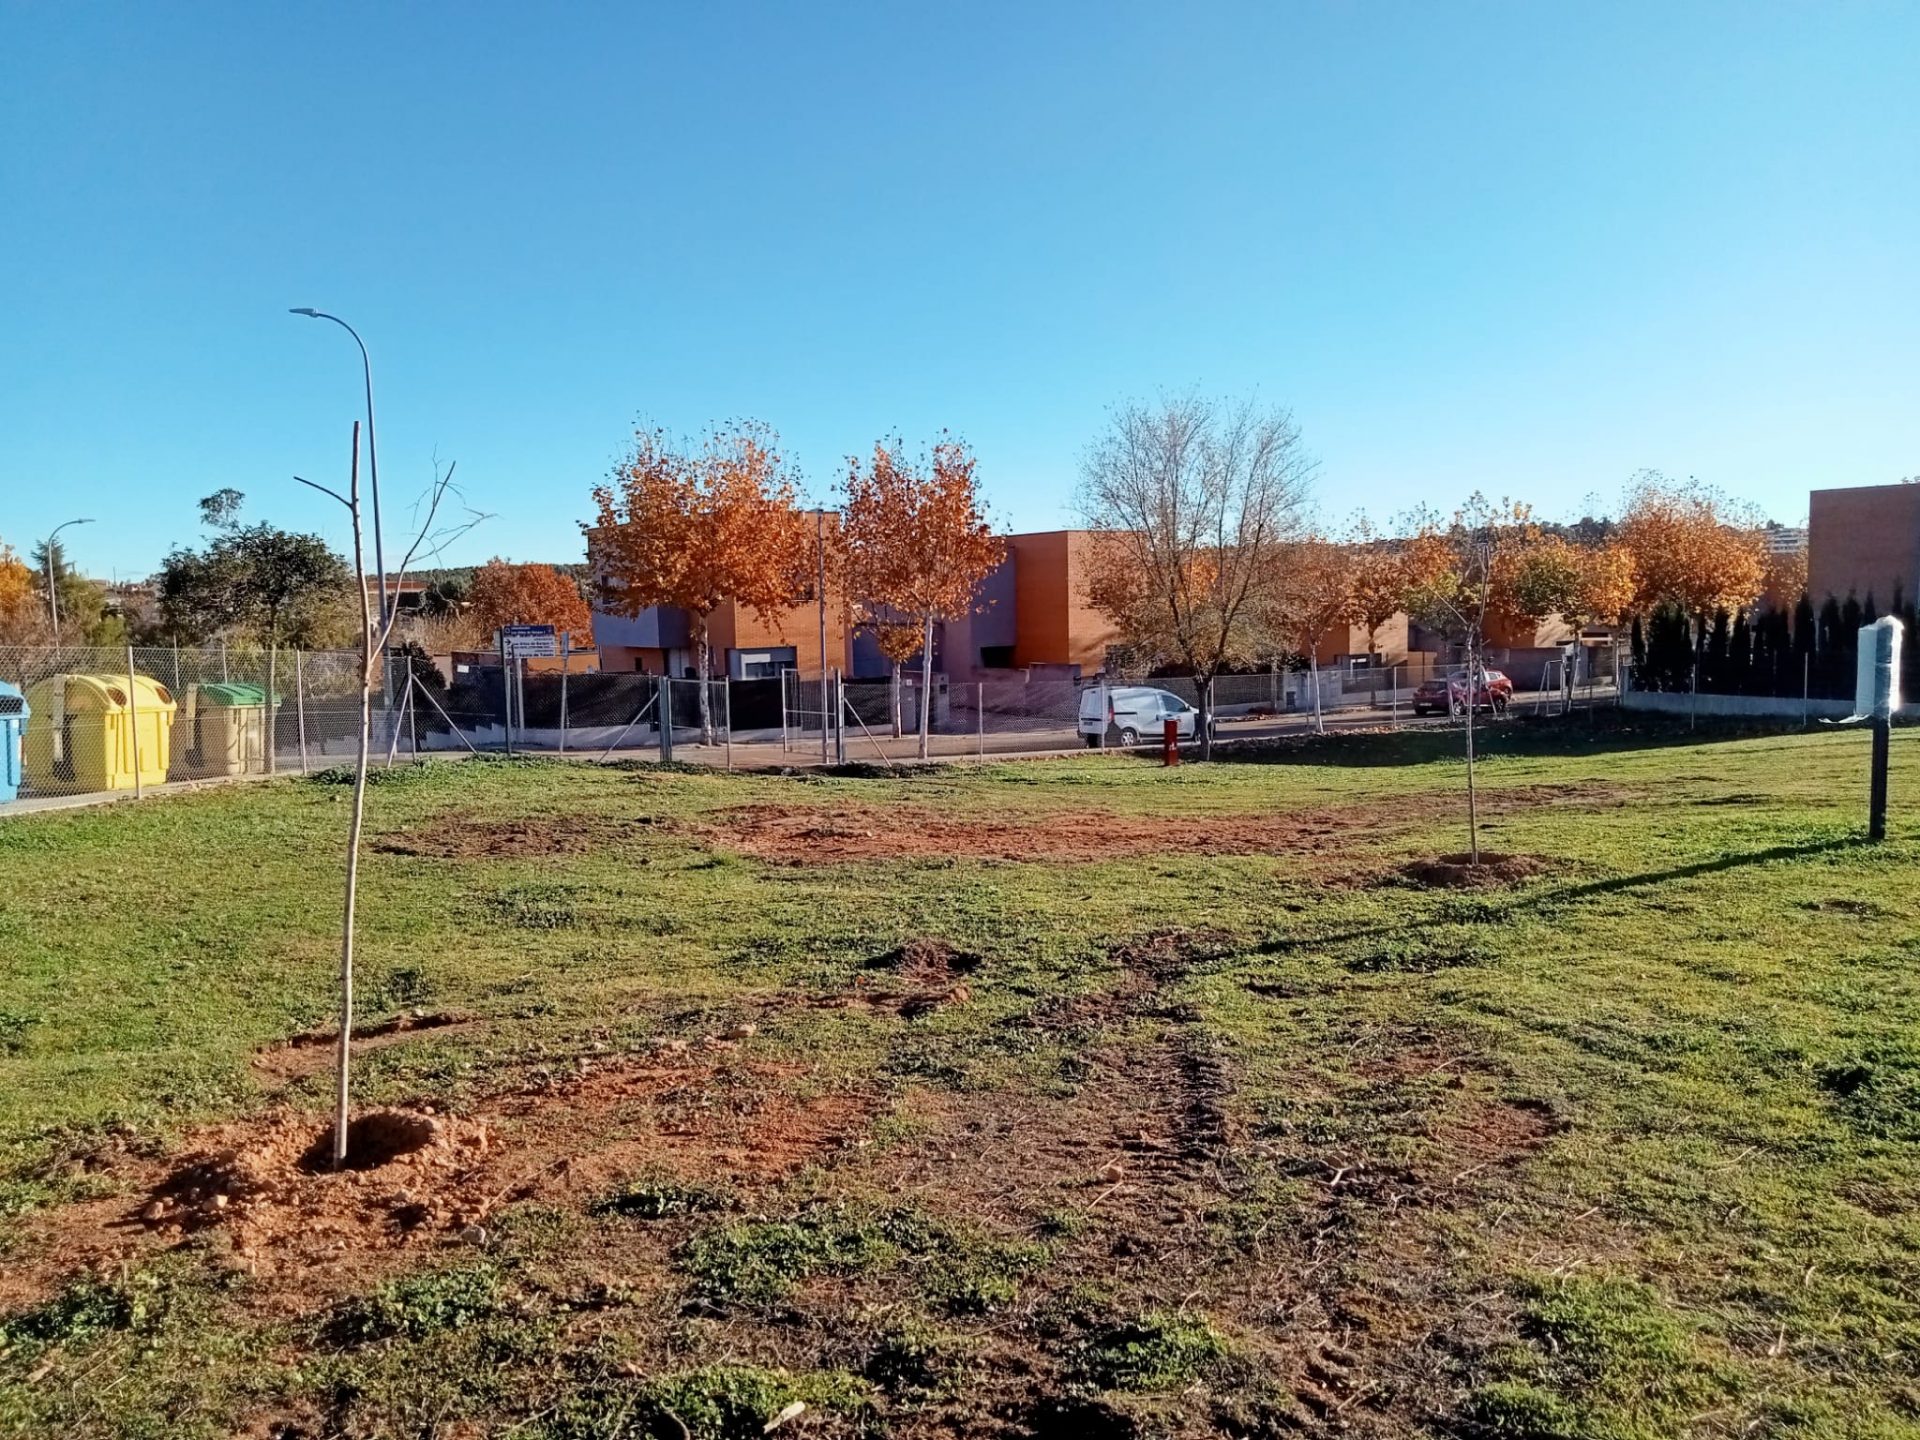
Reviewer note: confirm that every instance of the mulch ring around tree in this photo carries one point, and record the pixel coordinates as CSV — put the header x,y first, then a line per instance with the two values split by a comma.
x,y
418,1178
1461,871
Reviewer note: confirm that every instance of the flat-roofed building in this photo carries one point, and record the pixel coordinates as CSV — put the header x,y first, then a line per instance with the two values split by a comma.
x,y
1864,540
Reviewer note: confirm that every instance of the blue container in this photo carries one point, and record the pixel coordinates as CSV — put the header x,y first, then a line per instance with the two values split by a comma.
x,y
13,724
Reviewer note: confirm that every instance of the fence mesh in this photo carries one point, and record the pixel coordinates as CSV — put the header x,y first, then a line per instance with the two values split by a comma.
x,y
117,720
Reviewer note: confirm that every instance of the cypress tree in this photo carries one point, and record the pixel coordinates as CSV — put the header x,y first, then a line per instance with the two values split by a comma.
x,y
1868,613
1670,649
1713,672
1640,655
1829,640
1804,626
1739,679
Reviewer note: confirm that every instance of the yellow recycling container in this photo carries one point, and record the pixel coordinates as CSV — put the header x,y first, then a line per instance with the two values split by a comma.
x,y
220,729
85,730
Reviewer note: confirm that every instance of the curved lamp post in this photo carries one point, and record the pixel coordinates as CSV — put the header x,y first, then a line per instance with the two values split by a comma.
x,y
373,458
53,590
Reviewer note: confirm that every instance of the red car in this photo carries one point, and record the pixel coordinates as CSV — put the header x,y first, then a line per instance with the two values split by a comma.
x,y
1449,693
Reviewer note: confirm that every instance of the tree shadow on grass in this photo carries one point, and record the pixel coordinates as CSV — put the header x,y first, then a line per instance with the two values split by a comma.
x,y
1493,909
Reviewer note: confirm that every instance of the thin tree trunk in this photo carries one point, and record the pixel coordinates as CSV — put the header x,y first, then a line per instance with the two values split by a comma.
x,y
706,708
363,740
273,709
1473,801
926,684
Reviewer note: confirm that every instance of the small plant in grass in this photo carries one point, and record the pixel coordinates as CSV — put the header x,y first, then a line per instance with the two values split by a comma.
x,y
1158,1350
1607,1359
658,1199
758,1261
84,1309
417,1306
737,1402
1877,1089
912,1359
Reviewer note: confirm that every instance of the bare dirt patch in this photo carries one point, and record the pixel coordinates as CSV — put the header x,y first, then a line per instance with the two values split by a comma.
x,y
312,1051
1461,872
417,1179
847,833
926,960
464,836
794,835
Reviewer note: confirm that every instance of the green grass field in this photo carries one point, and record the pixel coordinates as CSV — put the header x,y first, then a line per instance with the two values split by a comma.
x,y
1073,1098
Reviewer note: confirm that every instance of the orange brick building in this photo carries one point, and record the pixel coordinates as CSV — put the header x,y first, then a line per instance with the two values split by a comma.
x,y
1864,540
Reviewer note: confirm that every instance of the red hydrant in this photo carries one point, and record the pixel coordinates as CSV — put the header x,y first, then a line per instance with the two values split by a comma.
x,y
1170,733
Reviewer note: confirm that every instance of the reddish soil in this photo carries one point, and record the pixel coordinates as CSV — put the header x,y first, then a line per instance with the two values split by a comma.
x,y
1460,872
312,1052
838,834
1334,1283
417,1179
827,835
464,836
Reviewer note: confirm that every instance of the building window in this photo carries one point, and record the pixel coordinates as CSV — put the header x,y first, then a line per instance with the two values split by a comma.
x,y
996,657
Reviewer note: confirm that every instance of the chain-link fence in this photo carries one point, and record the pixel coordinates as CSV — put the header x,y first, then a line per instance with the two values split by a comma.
x,y
128,719
119,720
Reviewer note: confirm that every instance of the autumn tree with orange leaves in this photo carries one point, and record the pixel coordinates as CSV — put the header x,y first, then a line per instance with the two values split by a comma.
x,y
1691,547
911,549
694,527
1378,584
19,603
504,593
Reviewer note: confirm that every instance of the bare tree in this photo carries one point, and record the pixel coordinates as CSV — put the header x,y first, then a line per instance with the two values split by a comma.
x,y
429,538
1192,502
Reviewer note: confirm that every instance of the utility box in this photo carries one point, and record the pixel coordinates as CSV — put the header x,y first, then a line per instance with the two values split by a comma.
x,y
13,721
90,727
221,729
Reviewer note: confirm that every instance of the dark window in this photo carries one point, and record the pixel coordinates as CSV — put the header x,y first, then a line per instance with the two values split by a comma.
x,y
996,657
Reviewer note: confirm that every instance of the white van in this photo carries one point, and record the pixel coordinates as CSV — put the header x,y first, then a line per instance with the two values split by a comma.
x,y
1133,713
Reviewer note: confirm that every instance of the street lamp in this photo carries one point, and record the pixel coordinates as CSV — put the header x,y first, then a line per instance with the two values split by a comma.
x,y
373,458
53,591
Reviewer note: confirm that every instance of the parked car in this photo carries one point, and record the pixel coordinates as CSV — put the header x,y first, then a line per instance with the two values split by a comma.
x,y
1449,693
1134,713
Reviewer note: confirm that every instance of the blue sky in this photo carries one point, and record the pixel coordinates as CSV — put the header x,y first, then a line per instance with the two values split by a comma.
x,y
1527,248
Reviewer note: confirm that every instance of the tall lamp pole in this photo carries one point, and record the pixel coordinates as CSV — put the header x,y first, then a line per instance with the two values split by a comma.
x,y
53,590
820,587
373,457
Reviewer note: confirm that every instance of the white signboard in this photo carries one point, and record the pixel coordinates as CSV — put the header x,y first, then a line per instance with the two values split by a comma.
x,y
522,641
1876,682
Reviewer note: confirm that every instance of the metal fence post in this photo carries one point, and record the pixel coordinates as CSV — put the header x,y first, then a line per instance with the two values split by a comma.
x,y
1393,686
566,664
506,694
223,661
413,715
665,694
1806,691
726,715
839,718
980,715
783,710
133,721
300,701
